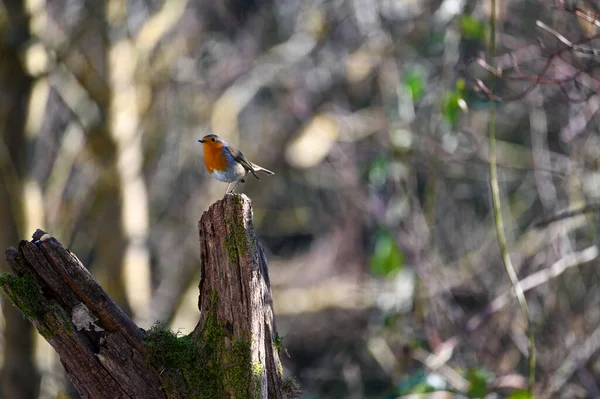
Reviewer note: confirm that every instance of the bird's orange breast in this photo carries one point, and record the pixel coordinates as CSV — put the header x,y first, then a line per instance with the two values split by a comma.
x,y
214,158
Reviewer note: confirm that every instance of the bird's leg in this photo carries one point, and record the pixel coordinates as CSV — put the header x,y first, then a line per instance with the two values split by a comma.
x,y
227,191
236,184
239,181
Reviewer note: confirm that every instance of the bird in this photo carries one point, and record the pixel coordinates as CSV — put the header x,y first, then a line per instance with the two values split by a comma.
x,y
226,163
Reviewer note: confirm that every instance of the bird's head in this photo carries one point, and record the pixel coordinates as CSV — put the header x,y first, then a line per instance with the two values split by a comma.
x,y
212,141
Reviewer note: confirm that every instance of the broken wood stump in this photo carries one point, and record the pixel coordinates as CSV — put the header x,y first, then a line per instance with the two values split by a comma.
x,y
232,352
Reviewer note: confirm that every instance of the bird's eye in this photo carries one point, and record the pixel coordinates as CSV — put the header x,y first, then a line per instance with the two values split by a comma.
x,y
213,139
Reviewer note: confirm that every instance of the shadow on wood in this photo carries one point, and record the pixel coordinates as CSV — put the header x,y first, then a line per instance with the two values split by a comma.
x,y
232,352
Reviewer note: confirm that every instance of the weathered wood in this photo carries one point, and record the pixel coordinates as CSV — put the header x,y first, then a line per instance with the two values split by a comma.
x,y
232,352
235,269
102,350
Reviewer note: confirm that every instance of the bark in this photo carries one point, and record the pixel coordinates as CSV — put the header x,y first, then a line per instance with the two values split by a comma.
x,y
232,353
234,266
102,350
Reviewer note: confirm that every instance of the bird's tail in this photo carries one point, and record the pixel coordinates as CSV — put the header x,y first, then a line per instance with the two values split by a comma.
x,y
258,168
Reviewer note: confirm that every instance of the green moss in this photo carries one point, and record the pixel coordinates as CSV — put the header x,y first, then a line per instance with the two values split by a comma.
x,y
278,341
167,348
208,369
257,371
237,199
235,241
49,318
279,367
25,295
55,322
239,361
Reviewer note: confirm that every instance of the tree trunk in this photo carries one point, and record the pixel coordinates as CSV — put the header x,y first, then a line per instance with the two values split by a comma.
x,y
232,353
235,286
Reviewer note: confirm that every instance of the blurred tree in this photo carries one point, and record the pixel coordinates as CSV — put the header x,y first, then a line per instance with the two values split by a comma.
x,y
101,237
19,377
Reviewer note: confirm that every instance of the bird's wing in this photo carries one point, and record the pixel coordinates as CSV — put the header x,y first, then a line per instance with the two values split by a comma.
x,y
238,156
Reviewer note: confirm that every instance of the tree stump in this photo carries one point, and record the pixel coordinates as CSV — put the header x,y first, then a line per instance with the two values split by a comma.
x,y
232,352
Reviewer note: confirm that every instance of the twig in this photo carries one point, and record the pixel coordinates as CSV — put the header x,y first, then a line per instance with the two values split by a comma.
x,y
554,33
540,77
584,15
566,215
567,42
508,266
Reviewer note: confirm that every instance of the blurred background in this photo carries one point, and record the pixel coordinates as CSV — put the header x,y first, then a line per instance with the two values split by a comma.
x,y
384,262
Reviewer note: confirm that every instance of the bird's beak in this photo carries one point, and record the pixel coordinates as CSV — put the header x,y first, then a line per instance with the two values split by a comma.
x,y
201,141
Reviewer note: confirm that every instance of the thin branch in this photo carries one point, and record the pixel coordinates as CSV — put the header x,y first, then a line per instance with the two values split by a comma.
x,y
540,78
566,215
490,92
567,42
537,79
508,266
585,15
554,33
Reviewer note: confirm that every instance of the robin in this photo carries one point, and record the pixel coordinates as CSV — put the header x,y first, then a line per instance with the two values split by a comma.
x,y
227,163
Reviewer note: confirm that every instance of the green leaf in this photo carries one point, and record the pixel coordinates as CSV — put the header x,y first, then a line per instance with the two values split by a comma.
x,y
520,394
478,381
450,107
471,28
386,257
413,83
453,103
